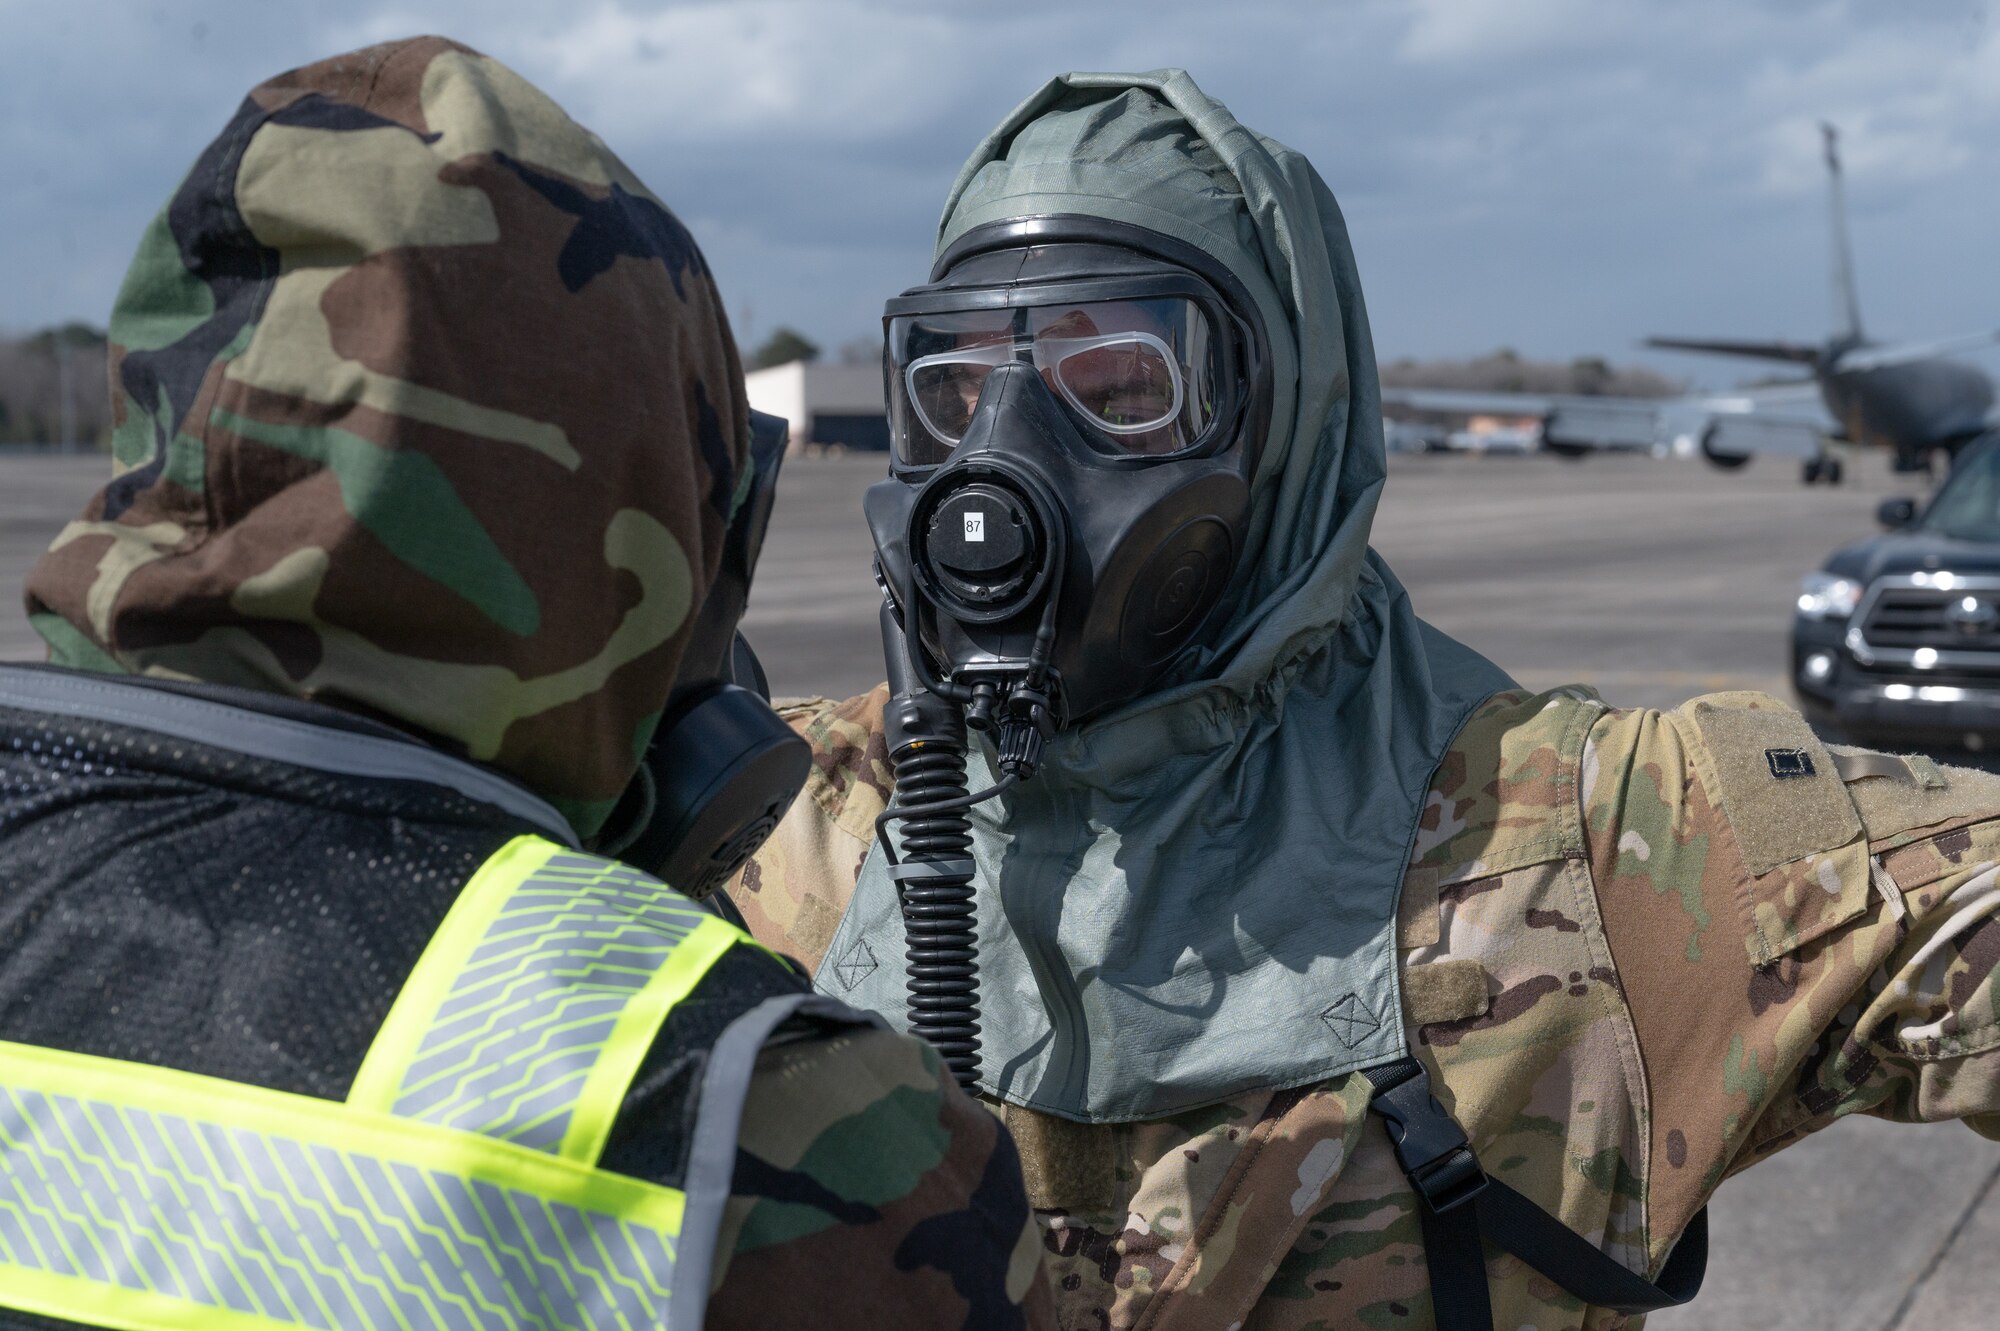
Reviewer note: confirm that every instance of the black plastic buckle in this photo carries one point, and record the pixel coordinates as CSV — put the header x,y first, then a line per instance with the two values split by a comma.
x,y
1433,1150
1446,1183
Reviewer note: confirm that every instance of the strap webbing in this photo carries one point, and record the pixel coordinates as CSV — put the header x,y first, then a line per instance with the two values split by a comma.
x,y
50,691
1459,1205
1572,1261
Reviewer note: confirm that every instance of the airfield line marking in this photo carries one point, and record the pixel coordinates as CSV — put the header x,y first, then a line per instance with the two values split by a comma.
x,y
1944,1247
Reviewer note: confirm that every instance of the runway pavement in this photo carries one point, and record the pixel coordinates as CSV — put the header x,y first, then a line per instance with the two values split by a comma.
x,y
37,496
1651,580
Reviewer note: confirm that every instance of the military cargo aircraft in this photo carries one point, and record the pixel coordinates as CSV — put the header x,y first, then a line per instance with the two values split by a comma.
x,y
1905,396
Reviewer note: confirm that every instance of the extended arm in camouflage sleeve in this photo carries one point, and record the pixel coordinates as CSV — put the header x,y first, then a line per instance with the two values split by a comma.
x,y
793,890
1773,992
871,1192
1920,1039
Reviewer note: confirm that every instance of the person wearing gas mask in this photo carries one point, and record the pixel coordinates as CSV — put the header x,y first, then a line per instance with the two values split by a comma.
x,y
1196,852
323,999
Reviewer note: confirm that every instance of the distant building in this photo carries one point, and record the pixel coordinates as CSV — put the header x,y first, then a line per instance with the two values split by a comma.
x,y
1497,434
826,404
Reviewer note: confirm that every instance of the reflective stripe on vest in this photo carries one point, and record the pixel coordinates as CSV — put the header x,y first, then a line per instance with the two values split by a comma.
x,y
457,1188
534,1005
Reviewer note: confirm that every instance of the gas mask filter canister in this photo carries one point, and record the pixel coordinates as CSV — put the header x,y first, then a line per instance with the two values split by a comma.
x,y
721,768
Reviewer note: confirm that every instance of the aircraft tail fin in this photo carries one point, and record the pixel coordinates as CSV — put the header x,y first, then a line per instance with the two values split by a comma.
x,y
1846,305
1795,352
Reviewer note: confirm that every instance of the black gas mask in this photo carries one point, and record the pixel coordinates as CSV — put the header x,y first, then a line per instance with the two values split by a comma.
x,y
1076,409
721,768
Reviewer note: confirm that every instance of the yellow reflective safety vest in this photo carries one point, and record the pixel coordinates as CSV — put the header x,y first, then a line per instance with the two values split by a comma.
x,y
457,1186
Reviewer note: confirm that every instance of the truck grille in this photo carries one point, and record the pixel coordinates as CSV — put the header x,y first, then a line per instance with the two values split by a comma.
x,y
1950,621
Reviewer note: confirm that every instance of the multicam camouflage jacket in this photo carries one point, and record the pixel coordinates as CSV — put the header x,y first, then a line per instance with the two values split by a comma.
x,y
1642,951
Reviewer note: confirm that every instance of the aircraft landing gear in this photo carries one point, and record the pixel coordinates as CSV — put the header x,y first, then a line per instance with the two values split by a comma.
x,y
1819,469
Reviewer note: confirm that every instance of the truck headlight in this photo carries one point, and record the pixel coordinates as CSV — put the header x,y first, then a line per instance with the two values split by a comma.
x,y
1825,596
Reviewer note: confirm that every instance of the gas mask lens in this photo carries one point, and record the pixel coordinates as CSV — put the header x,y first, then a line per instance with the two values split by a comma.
x,y
1141,375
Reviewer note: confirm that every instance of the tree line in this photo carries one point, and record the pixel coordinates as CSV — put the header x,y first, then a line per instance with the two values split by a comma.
x,y
1500,371
1506,371
52,388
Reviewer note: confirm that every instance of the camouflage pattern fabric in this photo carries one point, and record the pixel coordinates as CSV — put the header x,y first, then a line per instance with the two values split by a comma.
x,y
424,406
1648,1017
427,408
872,1193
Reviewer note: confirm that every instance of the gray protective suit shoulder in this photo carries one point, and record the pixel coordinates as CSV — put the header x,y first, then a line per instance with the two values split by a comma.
x,y
1197,896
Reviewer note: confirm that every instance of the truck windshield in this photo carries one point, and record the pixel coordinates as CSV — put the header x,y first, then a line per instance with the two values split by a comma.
x,y
1968,507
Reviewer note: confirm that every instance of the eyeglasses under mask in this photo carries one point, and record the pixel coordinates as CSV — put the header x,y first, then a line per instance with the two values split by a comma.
x,y
1142,375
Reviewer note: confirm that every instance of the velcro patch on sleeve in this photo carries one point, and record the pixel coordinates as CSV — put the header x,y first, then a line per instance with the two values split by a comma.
x,y
1445,991
1417,912
1067,1166
1777,784
1896,808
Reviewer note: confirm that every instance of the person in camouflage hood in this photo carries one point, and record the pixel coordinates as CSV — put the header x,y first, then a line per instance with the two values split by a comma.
x,y
1332,860
424,408
431,441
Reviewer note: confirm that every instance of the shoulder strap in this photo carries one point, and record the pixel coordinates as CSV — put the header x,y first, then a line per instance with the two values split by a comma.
x,y
51,691
1459,1205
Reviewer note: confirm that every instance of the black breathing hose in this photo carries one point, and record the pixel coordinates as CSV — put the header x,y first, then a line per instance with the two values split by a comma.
x,y
933,869
933,875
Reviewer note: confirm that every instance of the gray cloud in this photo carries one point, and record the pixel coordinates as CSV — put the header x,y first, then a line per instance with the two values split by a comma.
x,y
1559,175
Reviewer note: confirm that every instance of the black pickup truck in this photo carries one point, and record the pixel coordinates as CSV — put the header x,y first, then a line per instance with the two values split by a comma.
x,y
1897,638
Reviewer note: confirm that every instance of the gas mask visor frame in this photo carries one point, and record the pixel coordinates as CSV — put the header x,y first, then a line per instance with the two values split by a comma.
x,y
1143,366
1152,347
996,276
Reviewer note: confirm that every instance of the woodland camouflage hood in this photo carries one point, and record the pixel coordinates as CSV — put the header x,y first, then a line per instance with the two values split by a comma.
x,y
426,408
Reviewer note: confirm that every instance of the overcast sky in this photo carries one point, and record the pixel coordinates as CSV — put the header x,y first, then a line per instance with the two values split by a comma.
x,y
1561,176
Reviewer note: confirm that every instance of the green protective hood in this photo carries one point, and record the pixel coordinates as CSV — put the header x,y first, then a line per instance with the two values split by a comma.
x,y
1197,896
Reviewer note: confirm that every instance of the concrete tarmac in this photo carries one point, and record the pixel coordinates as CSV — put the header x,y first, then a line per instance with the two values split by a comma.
x,y
1651,580
37,496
